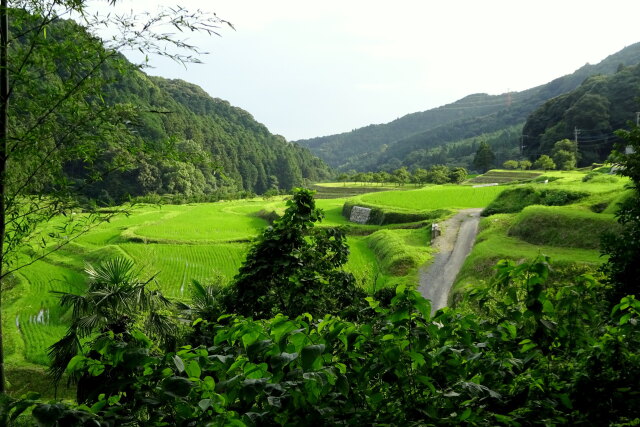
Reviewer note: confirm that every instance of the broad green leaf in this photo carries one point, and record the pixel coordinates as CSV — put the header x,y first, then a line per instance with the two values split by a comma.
x,y
311,356
193,369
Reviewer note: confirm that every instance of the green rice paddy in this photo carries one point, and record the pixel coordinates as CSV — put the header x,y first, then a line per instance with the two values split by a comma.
x,y
435,197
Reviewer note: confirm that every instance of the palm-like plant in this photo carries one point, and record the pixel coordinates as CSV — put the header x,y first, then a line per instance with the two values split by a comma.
x,y
115,301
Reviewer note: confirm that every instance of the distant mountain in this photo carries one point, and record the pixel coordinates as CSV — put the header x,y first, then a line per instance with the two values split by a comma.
x,y
420,139
592,112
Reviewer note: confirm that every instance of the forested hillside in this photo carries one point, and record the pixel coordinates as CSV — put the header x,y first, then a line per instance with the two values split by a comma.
x,y
601,105
180,140
416,139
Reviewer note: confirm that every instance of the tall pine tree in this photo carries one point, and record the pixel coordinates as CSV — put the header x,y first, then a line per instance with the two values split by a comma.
x,y
484,158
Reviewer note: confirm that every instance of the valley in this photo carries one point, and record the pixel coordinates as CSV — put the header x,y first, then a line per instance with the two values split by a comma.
x,y
166,259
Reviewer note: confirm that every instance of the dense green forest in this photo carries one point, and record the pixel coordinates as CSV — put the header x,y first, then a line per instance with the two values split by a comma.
x,y
602,104
181,141
416,139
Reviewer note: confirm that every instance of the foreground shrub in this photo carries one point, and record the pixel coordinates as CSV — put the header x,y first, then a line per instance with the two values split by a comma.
x,y
517,353
294,268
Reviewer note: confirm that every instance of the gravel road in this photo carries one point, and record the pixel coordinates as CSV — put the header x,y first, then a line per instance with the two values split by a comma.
x,y
455,243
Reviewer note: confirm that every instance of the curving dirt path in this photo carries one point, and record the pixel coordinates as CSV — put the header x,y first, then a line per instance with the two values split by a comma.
x,y
455,243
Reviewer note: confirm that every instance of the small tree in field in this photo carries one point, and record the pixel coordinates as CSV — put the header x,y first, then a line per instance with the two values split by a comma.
x,y
114,303
544,162
565,154
420,176
458,175
484,158
510,164
294,268
524,164
401,176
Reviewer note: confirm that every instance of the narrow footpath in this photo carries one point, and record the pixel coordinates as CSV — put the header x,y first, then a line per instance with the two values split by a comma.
x,y
453,246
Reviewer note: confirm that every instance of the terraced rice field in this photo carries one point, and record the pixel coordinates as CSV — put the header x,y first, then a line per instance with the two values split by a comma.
x,y
175,266
503,177
435,197
175,244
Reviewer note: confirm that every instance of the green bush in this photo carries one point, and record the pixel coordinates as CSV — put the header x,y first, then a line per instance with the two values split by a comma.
x,y
515,199
392,253
521,352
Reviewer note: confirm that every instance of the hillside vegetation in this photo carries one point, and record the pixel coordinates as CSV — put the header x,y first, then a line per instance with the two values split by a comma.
x,y
178,139
600,105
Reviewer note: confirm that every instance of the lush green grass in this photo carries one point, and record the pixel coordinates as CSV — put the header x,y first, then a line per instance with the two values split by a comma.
x,y
400,253
33,319
493,243
435,197
213,222
562,227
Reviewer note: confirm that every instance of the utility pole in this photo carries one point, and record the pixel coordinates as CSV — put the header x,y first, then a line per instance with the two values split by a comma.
x,y
522,144
576,132
637,118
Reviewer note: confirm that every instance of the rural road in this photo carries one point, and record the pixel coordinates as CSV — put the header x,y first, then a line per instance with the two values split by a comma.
x,y
455,243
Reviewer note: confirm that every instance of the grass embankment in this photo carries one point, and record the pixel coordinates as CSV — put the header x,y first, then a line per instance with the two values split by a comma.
x,y
400,253
515,199
568,234
494,243
562,227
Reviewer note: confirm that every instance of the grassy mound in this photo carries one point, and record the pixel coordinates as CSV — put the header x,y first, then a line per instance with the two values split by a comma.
x,y
399,252
613,207
493,243
563,227
515,199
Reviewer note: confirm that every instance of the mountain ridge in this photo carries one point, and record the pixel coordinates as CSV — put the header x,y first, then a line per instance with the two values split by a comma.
x,y
376,146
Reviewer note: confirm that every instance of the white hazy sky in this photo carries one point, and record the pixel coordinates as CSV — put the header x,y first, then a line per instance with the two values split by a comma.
x,y
313,68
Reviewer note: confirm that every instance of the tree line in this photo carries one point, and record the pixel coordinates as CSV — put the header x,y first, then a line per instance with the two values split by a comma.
x,y
437,174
